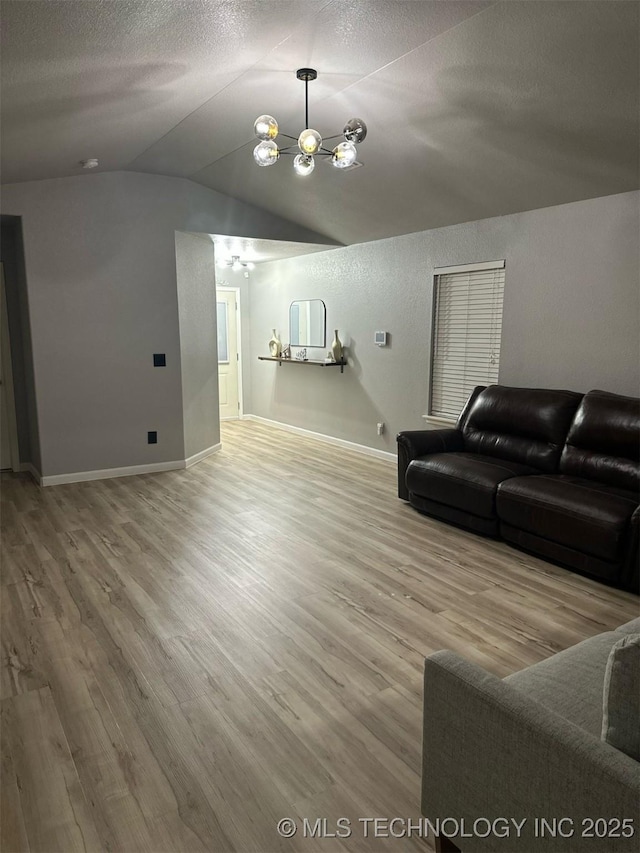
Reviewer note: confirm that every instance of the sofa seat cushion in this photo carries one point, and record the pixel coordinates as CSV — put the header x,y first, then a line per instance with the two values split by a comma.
x,y
588,516
571,683
467,481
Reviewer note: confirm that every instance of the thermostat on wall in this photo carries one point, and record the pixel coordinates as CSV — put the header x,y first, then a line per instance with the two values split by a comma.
x,y
381,339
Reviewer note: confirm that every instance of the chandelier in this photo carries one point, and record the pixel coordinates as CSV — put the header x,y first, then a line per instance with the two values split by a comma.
x,y
235,263
309,142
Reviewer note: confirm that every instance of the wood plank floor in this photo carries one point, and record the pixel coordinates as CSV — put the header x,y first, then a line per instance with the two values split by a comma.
x,y
189,657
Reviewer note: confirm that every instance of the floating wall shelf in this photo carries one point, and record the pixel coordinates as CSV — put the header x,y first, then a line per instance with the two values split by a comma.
x,y
318,363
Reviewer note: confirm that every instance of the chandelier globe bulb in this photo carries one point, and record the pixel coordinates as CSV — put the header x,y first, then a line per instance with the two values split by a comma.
x,y
355,130
344,155
303,164
309,141
266,153
265,127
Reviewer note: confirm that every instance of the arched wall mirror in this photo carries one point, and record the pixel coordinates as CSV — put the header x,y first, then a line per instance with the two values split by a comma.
x,y
307,323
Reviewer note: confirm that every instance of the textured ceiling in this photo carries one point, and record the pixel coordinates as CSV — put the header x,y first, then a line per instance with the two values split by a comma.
x,y
474,108
254,250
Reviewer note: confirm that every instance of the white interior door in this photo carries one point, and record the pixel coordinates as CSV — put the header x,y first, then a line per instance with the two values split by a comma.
x,y
228,354
8,430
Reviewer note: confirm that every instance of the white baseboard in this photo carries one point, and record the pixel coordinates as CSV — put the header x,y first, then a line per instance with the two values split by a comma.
x,y
108,473
127,471
328,439
178,464
197,457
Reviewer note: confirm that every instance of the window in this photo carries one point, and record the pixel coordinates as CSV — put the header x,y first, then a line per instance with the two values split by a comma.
x,y
466,334
223,333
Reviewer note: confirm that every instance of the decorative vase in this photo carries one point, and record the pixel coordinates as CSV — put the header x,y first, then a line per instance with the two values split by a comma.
x,y
336,347
275,346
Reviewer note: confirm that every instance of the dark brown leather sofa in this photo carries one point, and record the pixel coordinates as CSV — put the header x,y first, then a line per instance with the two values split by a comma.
x,y
555,473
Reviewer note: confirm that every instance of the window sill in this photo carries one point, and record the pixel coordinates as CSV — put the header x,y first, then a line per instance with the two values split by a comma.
x,y
440,422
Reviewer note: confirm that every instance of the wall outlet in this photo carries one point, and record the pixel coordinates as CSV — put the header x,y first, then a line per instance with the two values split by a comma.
x,y
152,437
380,429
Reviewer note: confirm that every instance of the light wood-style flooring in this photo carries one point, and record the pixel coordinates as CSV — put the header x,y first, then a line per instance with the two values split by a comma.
x,y
189,657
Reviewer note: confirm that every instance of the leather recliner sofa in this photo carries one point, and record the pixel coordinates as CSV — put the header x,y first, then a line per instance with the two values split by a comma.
x,y
555,473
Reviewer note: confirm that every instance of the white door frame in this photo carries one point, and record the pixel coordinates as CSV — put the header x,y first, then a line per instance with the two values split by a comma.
x,y
236,290
7,378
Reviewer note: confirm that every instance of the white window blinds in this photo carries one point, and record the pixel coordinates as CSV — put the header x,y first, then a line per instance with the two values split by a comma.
x,y
466,334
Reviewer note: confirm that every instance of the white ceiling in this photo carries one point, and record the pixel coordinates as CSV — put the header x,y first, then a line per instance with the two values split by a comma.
x,y
474,108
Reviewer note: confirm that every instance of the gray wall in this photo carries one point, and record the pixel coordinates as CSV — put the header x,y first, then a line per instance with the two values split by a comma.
x,y
198,345
571,315
12,257
101,281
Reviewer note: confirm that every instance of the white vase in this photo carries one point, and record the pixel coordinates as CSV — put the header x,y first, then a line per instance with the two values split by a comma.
x,y
336,347
275,346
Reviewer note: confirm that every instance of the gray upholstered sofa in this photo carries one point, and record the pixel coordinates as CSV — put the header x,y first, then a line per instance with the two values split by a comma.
x,y
531,747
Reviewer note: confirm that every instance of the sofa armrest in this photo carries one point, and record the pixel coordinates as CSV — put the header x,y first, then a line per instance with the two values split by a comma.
x,y
631,570
489,751
420,442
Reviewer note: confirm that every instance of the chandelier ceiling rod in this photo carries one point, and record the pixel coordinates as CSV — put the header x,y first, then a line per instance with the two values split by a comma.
x,y
306,74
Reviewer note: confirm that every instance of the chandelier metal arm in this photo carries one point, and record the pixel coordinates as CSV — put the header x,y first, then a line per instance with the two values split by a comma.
x,y
295,139
321,152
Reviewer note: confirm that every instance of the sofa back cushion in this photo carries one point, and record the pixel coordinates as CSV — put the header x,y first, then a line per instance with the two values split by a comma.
x,y
526,425
604,441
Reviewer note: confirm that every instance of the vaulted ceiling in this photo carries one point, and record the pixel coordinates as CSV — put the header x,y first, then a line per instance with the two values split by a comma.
x,y
474,108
